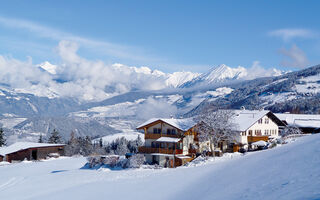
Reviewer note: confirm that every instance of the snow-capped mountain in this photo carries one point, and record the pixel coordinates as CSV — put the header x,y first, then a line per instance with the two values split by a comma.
x,y
48,67
221,73
292,92
100,100
177,79
224,74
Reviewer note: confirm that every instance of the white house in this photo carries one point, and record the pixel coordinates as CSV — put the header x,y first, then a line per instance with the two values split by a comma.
x,y
255,125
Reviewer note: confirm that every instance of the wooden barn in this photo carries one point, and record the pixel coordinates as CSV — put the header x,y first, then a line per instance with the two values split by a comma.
x,y
31,151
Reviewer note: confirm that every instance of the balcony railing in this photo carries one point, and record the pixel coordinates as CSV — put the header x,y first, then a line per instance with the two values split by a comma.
x,y
257,138
159,150
158,135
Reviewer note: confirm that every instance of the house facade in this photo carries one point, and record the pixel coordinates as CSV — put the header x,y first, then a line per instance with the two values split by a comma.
x,y
170,142
255,125
31,151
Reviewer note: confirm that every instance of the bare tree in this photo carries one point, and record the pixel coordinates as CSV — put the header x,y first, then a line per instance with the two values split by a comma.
x,y
216,126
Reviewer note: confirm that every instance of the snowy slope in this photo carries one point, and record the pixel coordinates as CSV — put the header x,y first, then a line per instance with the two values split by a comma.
x,y
288,172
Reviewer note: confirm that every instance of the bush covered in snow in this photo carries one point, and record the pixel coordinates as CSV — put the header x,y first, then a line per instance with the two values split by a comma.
x,y
115,161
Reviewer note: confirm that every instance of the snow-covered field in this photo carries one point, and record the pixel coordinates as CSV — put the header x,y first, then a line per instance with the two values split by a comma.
x,y
288,172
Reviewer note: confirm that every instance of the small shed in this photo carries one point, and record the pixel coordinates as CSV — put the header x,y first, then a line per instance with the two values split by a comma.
x,y
31,151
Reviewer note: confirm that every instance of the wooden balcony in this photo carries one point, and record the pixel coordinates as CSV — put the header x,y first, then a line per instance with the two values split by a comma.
x,y
258,138
159,150
158,135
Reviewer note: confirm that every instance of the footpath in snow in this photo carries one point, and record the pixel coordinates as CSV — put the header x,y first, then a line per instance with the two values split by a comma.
x,y
288,172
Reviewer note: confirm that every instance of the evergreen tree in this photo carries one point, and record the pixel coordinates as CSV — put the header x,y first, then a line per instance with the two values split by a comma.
x,y
55,137
2,138
101,142
40,139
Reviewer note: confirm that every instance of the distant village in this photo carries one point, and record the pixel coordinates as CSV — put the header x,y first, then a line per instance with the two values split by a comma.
x,y
172,142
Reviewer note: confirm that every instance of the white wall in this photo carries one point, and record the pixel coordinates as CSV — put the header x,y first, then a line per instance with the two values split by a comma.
x,y
271,129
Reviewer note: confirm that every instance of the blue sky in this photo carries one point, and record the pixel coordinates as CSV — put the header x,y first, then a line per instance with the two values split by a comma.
x,y
166,35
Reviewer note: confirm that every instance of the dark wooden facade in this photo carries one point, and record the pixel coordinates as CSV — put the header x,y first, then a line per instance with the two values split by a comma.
x,y
36,153
1,158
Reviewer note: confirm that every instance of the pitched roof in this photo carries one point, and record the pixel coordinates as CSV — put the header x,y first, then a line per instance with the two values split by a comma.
x,y
182,124
18,146
301,120
244,119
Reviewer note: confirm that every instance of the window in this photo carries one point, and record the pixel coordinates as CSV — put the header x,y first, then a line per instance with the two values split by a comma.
x,y
257,132
157,130
266,121
260,121
171,131
250,132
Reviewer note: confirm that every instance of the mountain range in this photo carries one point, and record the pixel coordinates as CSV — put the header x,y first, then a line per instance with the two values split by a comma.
x,y
122,104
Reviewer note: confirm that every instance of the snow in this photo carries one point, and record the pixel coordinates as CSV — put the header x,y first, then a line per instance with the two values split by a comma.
x,y
168,139
24,145
260,143
244,119
309,84
300,120
52,69
176,79
278,97
289,172
224,72
182,124
133,135
11,122
220,91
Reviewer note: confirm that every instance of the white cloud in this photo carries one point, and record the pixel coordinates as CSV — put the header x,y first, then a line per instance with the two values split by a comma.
x,y
257,71
154,107
107,48
294,57
288,34
81,78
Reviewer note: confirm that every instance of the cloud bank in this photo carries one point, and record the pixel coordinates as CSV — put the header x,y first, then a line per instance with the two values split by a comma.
x,y
90,80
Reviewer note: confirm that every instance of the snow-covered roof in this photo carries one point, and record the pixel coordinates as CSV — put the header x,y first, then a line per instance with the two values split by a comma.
x,y
168,139
244,119
24,145
260,143
301,120
182,156
182,124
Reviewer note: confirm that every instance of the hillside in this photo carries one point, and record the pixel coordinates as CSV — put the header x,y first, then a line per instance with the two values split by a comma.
x,y
292,92
288,172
